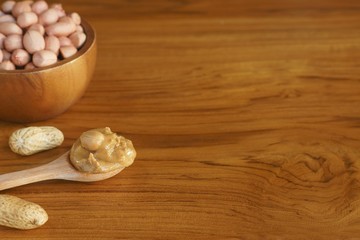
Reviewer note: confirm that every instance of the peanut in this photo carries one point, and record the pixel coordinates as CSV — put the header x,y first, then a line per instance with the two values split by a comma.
x,y
30,140
21,214
7,6
6,55
44,58
20,57
79,28
7,18
13,42
33,41
7,65
21,7
27,19
66,19
68,51
61,29
29,66
39,7
59,9
76,18
64,41
48,17
91,140
37,27
52,43
8,28
78,39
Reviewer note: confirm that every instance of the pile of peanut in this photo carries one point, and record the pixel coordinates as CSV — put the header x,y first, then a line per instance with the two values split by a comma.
x,y
34,34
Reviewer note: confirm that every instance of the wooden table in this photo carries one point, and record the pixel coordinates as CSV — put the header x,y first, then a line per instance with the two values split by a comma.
x,y
245,116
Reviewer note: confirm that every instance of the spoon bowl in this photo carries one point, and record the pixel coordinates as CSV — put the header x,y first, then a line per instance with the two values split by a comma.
x,y
61,168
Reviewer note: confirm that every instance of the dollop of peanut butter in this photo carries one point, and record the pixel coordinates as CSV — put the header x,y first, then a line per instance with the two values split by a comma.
x,y
100,150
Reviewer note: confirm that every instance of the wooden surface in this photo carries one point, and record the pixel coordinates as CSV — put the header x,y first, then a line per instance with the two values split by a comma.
x,y
244,113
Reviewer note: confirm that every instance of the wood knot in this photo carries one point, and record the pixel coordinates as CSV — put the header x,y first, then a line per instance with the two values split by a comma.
x,y
311,163
316,181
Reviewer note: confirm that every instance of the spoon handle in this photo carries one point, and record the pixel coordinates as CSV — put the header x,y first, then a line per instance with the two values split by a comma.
x,y
37,174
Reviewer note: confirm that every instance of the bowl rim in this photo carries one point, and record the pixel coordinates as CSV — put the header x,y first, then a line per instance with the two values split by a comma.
x,y
90,41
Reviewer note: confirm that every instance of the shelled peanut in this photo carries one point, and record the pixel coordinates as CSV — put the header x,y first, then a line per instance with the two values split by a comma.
x,y
34,34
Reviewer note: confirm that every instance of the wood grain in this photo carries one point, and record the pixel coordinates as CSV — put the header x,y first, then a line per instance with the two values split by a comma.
x,y
245,116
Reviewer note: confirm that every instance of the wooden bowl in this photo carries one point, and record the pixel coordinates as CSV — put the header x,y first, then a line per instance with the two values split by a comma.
x,y
43,93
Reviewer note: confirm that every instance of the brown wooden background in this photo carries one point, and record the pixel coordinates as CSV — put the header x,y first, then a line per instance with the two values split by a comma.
x,y
245,115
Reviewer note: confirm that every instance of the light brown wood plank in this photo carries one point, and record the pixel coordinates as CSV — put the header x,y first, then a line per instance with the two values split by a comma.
x,y
245,115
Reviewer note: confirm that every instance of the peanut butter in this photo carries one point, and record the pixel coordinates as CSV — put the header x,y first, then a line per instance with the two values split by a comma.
x,y
100,150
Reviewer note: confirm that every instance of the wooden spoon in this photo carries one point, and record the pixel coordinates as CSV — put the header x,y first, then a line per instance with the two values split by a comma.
x,y
60,168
